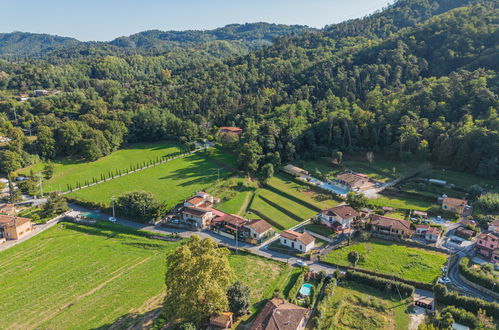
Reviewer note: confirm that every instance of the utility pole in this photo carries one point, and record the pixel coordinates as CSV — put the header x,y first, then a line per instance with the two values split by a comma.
x,y
112,201
41,184
237,234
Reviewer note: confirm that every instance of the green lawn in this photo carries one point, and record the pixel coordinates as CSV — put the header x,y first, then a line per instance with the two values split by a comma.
x,y
299,210
461,179
81,277
390,258
70,171
356,306
170,182
403,202
321,230
262,209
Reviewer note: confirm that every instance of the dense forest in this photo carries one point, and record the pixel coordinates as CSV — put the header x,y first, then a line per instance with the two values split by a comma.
x,y
416,81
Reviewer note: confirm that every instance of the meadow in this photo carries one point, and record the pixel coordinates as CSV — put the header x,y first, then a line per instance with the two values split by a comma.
x,y
356,306
390,258
170,182
81,277
69,171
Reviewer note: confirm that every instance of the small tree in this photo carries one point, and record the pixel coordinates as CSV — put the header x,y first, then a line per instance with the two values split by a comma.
x,y
370,157
353,257
48,171
267,172
239,298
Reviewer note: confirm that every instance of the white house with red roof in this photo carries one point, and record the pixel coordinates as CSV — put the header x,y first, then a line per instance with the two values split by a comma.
x,y
302,242
338,217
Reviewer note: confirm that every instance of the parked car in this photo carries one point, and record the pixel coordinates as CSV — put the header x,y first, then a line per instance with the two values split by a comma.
x,y
175,221
301,263
444,269
21,178
112,219
444,280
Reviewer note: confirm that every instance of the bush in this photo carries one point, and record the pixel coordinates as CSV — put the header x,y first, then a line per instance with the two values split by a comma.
x,y
462,316
380,283
293,293
324,303
477,276
488,202
443,296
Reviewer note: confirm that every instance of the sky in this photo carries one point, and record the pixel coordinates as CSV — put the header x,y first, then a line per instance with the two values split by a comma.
x,y
105,20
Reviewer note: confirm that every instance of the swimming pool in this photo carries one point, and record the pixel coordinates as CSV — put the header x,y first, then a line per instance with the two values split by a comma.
x,y
306,289
91,215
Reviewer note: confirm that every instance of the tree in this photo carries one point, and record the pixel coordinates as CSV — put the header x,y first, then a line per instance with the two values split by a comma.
x,y
338,156
197,278
48,171
28,187
249,155
475,191
357,201
370,157
239,298
267,172
353,257
56,204
9,161
138,204
46,142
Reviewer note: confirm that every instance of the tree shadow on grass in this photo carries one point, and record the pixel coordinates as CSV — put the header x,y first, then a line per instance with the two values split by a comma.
x,y
199,170
133,320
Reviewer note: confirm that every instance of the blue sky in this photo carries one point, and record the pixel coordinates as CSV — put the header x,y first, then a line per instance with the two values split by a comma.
x,y
108,19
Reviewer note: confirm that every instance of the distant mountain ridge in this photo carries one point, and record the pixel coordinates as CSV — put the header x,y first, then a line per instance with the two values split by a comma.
x,y
252,35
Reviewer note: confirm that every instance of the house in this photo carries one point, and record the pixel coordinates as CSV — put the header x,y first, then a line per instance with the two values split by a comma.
x,y
222,321
465,233
494,226
40,92
9,209
303,242
278,314
202,199
231,224
352,181
433,234
196,216
259,229
233,130
487,245
343,215
422,229
12,227
295,171
420,214
392,227
454,205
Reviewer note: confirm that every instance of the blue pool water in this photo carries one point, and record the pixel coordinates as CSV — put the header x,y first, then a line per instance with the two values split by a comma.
x,y
306,289
333,188
94,216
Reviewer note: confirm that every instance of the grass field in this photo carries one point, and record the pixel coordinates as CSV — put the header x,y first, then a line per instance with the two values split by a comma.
x,y
70,171
82,277
389,258
462,180
355,306
402,202
170,182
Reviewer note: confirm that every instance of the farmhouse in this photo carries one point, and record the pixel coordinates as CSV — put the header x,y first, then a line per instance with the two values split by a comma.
x,y
454,205
488,246
303,242
352,181
196,216
9,209
465,233
278,314
295,171
339,217
433,234
392,227
233,130
259,229
12,227
202,199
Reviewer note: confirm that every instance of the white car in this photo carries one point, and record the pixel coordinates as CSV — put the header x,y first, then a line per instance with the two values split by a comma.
x,y
444,269
301,263
112,219
444,280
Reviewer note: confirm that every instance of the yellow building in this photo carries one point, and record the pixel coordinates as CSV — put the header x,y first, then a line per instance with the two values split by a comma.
x,y
12,227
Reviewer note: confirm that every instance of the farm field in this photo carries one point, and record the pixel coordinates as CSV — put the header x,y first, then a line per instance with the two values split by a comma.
x,y
69,171
81,277
389,258
357,306
170,182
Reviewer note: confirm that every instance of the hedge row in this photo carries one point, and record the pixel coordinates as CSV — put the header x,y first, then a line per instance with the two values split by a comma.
x,y
476,277
462,316
296,287
324,304
443,296
381,283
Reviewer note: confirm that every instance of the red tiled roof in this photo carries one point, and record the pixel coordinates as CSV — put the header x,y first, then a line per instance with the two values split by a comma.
x,y
304,238
223,320
494,223
486,236
343,211
279,314
454,201
422,227
351,178
195,200
231,129
195,211
386,222
12,221
259,225
435,230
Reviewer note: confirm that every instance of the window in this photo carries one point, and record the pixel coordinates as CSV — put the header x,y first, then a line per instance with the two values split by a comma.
x,y
284,241
301,247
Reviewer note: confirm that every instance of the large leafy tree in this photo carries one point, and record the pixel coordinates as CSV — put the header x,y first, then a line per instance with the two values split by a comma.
x,y
249,156
239,298
197,278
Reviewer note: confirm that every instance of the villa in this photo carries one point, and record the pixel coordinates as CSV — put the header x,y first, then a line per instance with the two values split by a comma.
x,y
295,171
202,199
196,216
338,217
391,227
259,229
454,205
231,130
13,228
278,314
488,246
352,181
302,242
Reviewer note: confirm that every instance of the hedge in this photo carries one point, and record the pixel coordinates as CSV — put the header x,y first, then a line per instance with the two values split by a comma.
x,y
296,287
462,316
443,296
325,302
476,277
381,283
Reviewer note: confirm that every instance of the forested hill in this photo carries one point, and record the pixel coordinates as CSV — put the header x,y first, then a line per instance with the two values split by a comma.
x,y
241,37
424,91
254,34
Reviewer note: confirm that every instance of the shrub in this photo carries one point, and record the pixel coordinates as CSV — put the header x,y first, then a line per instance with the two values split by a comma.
x,y
443,296
462,316
380,283
488,202
296,287
477,276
